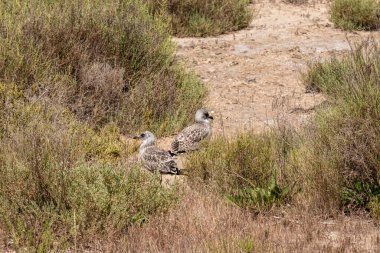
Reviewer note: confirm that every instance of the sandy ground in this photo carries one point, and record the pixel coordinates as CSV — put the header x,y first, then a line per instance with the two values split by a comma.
x,y
254,75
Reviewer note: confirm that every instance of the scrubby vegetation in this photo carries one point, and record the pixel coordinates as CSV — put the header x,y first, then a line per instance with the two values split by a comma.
x,y
345,146
243,169
105,61
203,18
73,77
356,14
64,184
333,163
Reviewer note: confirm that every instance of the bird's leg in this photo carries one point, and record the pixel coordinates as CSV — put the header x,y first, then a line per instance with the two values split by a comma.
x,y
158,174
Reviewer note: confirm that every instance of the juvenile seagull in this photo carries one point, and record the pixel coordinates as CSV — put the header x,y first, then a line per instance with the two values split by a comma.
x,y
191,136
155,159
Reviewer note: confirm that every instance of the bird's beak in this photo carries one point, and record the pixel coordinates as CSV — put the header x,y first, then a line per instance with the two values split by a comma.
x,y
211,117
136,137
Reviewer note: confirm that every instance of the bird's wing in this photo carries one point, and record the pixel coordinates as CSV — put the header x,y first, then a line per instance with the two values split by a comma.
x,y
161,160
190,135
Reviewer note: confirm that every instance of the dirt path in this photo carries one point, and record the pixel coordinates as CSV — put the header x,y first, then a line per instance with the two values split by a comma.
x,y
254,75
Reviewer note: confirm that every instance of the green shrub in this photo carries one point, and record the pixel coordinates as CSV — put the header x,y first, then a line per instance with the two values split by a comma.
x,y
245,169
105,61
348,77
260,197
77,205
63,184
360,195
23,122
341,151
356,14
202,18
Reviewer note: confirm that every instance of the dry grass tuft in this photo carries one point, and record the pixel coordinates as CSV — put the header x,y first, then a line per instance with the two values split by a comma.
x,y
194,225
203,222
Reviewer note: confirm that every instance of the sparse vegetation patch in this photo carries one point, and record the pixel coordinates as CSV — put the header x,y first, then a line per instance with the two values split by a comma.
x,y
333,163
356,14
343,151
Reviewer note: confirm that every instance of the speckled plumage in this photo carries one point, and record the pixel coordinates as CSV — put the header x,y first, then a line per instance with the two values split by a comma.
x,y
190,138
155,159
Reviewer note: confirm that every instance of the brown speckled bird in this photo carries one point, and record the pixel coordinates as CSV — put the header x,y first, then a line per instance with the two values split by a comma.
x,y
190,137
155,159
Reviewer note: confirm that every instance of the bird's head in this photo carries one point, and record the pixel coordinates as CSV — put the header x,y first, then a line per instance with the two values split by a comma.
x,y
203,116
145,136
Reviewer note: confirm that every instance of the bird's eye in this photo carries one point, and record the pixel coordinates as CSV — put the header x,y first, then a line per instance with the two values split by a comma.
x,y
142,135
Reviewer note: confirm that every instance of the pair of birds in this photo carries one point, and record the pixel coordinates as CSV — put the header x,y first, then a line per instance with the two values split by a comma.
x,y
155,159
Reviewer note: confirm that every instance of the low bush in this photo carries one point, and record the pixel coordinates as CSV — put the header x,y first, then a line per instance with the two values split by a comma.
x,y
342,148
260,197
251,170
105,61
355,14
202,18
63,184
56,208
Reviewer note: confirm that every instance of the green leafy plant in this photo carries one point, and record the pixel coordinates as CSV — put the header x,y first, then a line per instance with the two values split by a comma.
x,y
246,244
360,194
260,197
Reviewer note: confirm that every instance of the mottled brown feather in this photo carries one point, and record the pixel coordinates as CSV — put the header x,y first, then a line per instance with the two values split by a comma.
x,y
190,137
157,159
